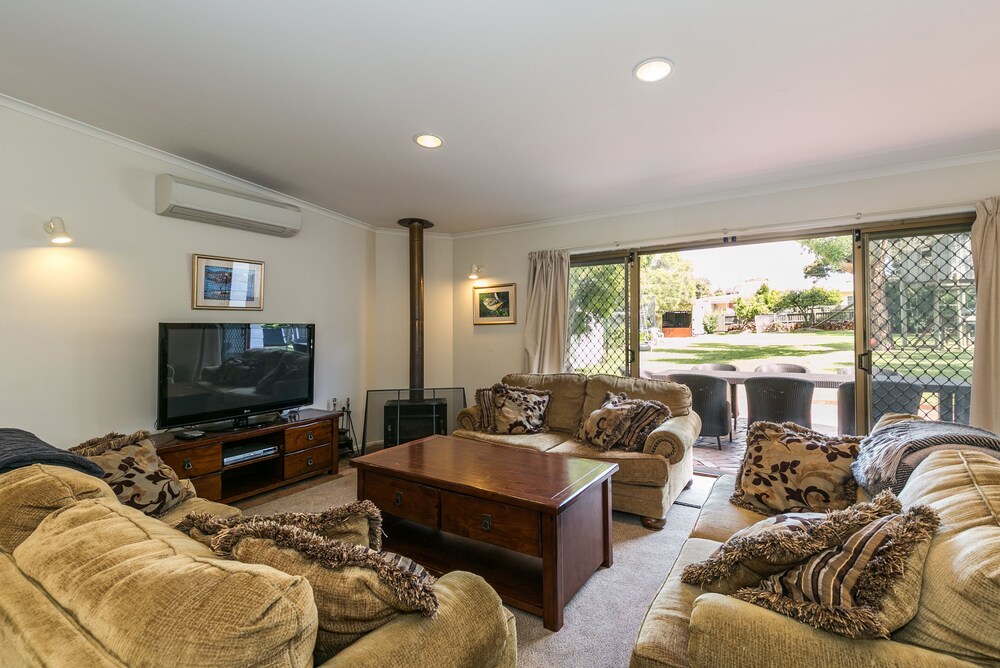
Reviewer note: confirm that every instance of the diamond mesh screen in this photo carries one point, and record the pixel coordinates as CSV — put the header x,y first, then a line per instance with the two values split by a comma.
x,y
598,319
922,325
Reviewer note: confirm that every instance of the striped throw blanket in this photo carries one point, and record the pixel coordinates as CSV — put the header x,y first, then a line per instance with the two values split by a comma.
x,y
888,456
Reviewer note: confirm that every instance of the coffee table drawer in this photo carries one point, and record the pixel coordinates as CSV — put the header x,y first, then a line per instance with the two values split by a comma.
x,y
403,498
491,522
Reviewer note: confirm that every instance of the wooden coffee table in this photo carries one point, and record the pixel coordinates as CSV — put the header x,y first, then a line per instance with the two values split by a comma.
x,y
534,525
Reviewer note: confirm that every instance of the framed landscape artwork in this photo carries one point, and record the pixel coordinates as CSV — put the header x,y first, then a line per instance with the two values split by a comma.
x,y
227,283
494,304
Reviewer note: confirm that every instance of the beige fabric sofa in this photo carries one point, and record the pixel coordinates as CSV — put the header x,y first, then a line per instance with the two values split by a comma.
x,y
88,582
956,623
647,482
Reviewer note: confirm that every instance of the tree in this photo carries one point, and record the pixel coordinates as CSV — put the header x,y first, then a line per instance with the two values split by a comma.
x,y
668,280
804,301
832,255
763,301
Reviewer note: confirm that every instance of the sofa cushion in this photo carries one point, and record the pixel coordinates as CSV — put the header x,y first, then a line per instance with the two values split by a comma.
x,y
604,427
663,636
720,519
357,589
520,410
566,405
541,442
677,397
646,415
788,468
141,479
151,595
634,468
961,585
487,409
863,588
196,504
29,494
776,544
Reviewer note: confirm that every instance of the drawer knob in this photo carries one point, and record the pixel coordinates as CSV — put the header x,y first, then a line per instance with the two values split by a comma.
x,y
188,465
309,436
398,500
309,461
487,522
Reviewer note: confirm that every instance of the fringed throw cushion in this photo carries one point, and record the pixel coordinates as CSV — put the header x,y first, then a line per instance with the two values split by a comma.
x,y
865,588
604,427
778,543
788,468
136,474
648,414
487,410
520,410
356,589
358,523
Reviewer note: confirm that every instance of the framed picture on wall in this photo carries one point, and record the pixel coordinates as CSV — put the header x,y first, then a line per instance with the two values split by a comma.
x,y
227,283
494,304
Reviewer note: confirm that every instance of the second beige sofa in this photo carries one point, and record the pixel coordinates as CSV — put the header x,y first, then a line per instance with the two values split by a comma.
x,y
647,482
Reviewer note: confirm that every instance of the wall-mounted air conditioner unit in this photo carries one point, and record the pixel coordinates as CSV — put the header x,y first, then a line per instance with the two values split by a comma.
x,y
180,198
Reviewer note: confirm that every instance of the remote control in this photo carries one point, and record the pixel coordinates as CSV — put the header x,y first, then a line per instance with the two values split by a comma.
x,y
189,434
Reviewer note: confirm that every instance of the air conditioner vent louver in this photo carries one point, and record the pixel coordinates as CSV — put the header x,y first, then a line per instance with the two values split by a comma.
x,y
179,198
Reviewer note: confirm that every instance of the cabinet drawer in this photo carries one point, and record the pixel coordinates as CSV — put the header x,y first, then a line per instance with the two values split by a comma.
x,y
300,438
308,461
208,486
195,462
491,522
402,498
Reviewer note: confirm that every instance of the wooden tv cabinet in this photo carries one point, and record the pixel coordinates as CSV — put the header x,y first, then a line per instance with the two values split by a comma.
x,y
306,447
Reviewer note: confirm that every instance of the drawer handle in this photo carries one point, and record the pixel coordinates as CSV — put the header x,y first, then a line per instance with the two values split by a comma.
x,y
398,500
309,461
310,437
487,522
188,465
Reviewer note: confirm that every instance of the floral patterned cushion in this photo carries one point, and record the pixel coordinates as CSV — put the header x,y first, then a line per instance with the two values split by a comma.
x,y
604,427
136,474
520,410
788,468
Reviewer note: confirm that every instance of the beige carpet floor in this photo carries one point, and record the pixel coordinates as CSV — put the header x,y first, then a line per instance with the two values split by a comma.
x,y
603,619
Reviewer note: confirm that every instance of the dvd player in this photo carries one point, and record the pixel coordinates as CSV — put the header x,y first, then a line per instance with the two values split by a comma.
x,y
244,453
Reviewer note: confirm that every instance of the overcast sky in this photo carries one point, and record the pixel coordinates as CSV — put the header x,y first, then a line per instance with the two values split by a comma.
x,y
779,264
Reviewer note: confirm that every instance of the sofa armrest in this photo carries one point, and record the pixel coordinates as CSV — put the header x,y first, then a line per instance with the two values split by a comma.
x,y
470,629
673,438
468,418
760,635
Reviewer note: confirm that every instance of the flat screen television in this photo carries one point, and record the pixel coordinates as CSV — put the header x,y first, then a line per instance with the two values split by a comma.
x,y
211,372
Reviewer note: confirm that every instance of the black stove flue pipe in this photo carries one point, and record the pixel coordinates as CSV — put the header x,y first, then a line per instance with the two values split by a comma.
x,y
416,226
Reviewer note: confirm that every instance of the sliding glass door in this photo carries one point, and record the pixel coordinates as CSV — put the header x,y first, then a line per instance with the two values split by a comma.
x,y
601,314
915,346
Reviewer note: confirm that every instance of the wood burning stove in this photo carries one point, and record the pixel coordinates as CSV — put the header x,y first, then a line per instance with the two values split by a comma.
x,y
409,419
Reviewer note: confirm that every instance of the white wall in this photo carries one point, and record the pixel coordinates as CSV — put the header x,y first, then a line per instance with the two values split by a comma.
x,y
78,330
483,354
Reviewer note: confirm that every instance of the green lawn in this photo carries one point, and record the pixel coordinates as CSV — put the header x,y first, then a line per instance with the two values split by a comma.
x,y
699,353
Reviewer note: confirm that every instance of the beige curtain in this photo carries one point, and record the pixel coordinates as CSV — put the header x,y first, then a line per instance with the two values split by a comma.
x,y
986,358
548,307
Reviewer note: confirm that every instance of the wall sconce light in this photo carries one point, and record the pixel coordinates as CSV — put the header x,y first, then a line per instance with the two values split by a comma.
x,y
475,271
56,228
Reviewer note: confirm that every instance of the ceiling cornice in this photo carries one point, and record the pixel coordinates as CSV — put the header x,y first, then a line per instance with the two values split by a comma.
x,y
34,111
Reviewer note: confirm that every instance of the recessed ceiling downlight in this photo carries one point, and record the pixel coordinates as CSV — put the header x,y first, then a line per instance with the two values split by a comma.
x,y
428,141
653,69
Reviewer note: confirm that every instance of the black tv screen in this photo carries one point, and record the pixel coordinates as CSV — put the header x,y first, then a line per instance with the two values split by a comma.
x,y
211,371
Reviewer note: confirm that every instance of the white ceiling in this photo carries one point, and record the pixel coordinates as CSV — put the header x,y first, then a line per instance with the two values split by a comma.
x,y
534,99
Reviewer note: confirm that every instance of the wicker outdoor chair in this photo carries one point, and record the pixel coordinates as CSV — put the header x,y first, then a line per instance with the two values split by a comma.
x,y
776,399
781,368
714,366
710,400
888,396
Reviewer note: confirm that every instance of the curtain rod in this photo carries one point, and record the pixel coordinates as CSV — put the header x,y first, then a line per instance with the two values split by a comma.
x,y
732,234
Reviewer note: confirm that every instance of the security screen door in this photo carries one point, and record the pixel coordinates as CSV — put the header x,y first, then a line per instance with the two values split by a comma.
x,y
601,304
919,324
